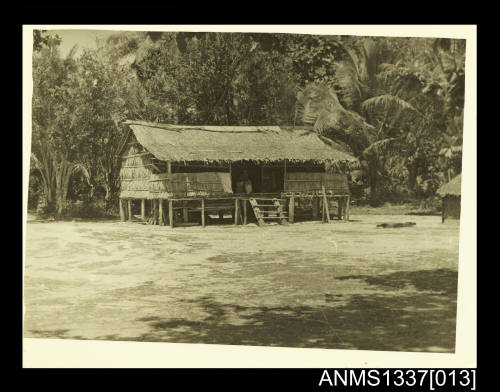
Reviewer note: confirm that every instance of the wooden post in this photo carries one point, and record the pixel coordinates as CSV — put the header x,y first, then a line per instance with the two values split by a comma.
x,y
171,213
348,201
236,210
291,209
315,207
151,212
185,215
339,210
160,212
169,167
325,204
153,209
284,177
245,213
442,211
327,209
122,211
202,212
221,215
143,210
129,209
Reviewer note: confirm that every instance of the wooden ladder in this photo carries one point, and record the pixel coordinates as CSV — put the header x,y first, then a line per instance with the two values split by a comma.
x,y
268,210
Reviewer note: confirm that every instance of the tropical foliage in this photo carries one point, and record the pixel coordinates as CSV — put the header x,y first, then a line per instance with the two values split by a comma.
x,y
396,103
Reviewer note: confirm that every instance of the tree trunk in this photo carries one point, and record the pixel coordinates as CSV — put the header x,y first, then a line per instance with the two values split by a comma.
x,y
110,187
59,186
412,178
107,189
48,193
63,174
48,182
107,196
373,181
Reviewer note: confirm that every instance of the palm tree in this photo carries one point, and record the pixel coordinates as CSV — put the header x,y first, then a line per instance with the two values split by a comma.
x,y
319,106
48,158
368,87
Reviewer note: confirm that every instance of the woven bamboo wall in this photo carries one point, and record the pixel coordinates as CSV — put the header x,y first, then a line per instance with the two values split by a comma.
x,y
166,185
311,182
337,183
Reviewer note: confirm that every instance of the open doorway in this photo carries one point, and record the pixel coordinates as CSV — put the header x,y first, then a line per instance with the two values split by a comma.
x,y
263,178
246,170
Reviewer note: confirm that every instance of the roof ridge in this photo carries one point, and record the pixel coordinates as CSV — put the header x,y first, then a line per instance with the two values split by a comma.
x,y
178,127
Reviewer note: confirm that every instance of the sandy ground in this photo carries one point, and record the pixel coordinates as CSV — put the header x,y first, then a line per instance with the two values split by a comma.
x,y
345,285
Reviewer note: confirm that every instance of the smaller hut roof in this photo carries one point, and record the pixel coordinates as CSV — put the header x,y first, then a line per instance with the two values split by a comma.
x,y
451,188
233,143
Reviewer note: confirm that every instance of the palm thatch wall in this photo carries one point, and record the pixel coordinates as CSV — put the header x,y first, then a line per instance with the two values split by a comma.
x,y
451,192
452,188
135,173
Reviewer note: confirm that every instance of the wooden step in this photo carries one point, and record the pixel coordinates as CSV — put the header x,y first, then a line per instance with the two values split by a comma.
x,y
265,211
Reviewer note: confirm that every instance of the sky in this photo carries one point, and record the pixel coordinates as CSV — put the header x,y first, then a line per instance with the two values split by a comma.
x,y
82,38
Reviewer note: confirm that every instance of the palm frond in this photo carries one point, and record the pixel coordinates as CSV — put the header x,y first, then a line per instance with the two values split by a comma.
x,y
380,146
369,60
78,167
319,105
386,102
36,162
347,78
72,52
324,121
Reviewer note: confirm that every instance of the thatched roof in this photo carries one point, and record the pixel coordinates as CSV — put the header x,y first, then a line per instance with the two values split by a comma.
x,y
451,188
236,143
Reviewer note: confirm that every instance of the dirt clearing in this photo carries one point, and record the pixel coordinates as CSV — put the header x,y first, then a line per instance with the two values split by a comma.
x,y
344,285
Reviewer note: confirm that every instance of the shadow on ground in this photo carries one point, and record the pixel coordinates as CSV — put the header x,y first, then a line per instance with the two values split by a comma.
x,y
440,280
420,317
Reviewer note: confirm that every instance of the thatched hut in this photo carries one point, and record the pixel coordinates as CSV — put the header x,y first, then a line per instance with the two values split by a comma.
x,y
450,194
201,169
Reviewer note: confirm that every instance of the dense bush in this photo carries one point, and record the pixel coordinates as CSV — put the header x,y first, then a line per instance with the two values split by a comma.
x,y
84,209
35,192
43,210
431,204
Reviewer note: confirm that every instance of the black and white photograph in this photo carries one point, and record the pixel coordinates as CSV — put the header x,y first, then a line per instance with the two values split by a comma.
x,y
266,189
